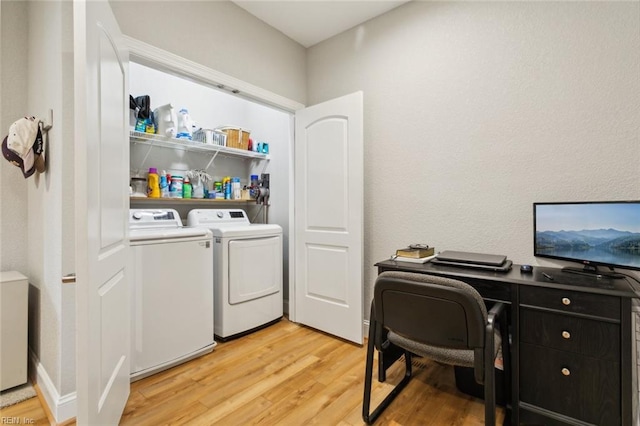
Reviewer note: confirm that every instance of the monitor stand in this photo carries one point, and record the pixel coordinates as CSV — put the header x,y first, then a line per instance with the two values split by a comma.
x,y
592,271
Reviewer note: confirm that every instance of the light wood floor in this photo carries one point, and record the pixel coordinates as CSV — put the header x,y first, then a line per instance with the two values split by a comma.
x,y
286,375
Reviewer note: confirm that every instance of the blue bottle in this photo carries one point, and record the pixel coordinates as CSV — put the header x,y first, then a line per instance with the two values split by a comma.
x,y
164,185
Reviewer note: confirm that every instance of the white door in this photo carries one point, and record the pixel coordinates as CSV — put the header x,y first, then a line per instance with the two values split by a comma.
x,y
101,197
328,217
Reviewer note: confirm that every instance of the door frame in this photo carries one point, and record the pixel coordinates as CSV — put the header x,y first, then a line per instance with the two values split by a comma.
x,y
146,54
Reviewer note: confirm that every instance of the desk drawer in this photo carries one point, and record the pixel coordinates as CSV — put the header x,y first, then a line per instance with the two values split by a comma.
x,y
596,339
490,290
571,301
577,386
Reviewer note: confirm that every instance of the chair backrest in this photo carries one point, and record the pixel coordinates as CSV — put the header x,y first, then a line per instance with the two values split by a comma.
x,y
429,309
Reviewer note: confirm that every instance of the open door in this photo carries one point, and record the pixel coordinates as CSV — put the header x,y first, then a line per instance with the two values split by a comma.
x,y
328,217
101,207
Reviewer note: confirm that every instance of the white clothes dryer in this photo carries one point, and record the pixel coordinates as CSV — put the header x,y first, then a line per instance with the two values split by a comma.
x,y
247,270
172,291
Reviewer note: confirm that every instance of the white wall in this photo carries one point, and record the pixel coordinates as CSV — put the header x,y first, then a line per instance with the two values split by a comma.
x,y
221,36
65,119
474,110
13,103
44,256
36,214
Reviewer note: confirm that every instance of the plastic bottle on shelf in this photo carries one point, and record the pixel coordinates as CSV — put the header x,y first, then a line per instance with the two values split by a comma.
x,y
186,188
153,183
184,125
253,189
164,185
176,187
226,182
236,188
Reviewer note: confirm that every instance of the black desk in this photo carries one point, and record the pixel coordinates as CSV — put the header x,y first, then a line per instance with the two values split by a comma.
x,y
571,341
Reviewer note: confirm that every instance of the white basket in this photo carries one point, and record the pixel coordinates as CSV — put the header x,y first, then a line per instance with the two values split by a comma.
x,y
210,137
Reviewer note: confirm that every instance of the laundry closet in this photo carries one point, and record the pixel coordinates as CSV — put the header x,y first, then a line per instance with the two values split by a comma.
x,y
237,286
314,166
209,108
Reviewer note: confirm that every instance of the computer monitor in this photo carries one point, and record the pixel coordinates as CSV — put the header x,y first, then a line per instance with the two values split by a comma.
x,y
602,233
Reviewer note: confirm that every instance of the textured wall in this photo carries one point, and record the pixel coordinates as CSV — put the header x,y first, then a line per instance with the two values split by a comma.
x,y
66,195
475,110
221,36
37,223
44,189
13,102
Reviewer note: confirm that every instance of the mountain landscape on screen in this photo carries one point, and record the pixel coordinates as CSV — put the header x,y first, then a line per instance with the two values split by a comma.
x,y
587,239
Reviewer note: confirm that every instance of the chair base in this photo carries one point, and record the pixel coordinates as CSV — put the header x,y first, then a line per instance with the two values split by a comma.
x,y
370,417
389,353
471,329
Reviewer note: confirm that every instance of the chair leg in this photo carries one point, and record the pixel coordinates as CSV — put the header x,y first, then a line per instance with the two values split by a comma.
x,y
368,417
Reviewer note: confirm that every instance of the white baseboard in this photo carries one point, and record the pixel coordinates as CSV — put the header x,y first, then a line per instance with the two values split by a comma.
x,y
63,407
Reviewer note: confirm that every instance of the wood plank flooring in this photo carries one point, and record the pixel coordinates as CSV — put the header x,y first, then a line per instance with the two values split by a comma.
x,y
286,374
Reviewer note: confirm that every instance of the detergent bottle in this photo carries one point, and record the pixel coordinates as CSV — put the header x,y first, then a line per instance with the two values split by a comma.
x,y
153,183
164,119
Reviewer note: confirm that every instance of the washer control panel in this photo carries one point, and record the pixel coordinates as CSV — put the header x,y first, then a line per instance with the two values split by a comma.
x,y
154,218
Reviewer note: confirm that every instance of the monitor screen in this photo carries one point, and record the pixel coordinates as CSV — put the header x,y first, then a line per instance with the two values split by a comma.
x,y
591,233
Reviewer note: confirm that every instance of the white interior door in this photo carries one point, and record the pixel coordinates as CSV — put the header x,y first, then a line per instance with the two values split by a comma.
x,y
328,217
102,247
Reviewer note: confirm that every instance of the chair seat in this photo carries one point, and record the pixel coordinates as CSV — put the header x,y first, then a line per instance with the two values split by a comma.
x,y
460,357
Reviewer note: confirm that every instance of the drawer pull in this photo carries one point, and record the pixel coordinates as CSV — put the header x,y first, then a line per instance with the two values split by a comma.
x,y
566,371
566,301
566,334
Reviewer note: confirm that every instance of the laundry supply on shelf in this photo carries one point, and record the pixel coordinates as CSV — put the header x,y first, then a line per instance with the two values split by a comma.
x,y
153,183
175,190
186,188
164,185
184,125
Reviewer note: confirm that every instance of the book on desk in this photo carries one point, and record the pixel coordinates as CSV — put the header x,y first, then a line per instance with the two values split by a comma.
x,y
415,253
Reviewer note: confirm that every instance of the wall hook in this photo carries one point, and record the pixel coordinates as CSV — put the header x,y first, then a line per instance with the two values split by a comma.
x,y
47,123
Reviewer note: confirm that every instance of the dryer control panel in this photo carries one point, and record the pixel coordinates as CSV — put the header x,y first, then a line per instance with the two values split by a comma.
x,y
199,217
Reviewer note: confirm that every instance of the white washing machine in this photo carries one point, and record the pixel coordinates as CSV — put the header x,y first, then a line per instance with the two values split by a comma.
x,y
247,270
172,291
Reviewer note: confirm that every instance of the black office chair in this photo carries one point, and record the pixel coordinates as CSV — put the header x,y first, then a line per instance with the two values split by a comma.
x,y
438,318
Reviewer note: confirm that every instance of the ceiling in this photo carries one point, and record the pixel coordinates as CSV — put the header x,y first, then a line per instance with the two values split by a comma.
x,y
309,21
